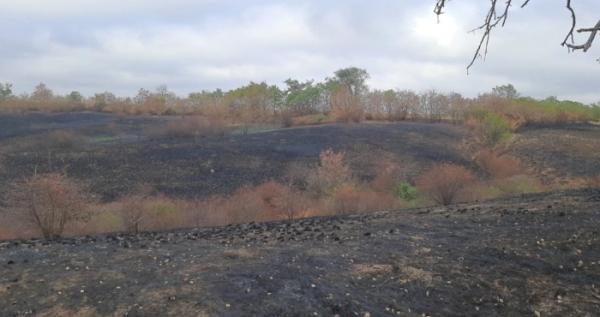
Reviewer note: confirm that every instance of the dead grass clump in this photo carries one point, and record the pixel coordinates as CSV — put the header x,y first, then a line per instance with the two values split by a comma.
x,y
593,182
443,183
413,274
49,203
239,254
61,139
372,269
519,184
498,165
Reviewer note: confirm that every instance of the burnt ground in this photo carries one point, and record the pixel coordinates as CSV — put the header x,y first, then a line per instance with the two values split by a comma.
x,y
536,255
558,154
119,152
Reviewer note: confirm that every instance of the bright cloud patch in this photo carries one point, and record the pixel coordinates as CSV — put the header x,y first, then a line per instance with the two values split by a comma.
x,y
193,45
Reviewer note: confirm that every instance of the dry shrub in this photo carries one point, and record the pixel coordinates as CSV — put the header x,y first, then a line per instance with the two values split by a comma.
x,y
443,183
49,203
498,165
193,126
268,201
331,173
346,107
132,208
245,205
593,182
61,139
519,184
349,198
389,174
291,204
281,201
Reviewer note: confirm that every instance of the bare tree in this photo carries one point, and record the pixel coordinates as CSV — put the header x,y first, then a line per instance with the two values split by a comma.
x,y
133,209
498,14
49,202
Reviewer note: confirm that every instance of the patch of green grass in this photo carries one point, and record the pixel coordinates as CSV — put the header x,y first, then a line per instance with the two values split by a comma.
x,y
406,191
104,138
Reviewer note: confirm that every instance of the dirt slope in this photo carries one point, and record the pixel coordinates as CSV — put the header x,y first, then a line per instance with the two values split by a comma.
x,y
527,256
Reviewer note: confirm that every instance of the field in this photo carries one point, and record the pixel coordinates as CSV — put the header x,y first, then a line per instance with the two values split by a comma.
x,y
528,254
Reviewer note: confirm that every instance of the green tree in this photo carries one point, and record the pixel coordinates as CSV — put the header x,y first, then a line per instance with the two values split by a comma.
x,y
507,91
302,98
352,78
75,97
5,91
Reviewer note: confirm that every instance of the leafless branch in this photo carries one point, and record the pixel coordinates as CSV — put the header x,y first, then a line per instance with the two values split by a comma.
x,y
497,15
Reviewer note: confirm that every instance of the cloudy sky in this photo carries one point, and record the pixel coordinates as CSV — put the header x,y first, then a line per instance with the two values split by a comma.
x,y
190,45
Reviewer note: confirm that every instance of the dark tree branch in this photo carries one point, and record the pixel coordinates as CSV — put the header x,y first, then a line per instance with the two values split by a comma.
x,y
497,15
573,24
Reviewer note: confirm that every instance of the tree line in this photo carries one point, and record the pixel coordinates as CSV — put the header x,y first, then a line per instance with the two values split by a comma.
x,y
344,96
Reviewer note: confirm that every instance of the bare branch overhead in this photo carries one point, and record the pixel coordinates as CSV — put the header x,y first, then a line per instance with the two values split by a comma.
x,y
497,15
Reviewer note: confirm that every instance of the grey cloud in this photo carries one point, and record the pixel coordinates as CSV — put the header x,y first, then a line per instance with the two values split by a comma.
x,y
192,45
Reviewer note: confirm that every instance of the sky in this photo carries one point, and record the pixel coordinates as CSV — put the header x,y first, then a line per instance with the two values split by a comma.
x,y
191,45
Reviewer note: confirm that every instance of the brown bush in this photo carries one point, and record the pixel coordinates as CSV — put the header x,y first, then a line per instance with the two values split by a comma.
x,y
193,126
389,174
49,203
132,209
291,204
350,198
245,205
498,165
444,182
331,172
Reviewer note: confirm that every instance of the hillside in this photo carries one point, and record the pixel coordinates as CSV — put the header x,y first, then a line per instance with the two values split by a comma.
x,y
532,255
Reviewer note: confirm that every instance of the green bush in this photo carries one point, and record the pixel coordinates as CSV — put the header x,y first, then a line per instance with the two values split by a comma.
x,y
495,129
405,191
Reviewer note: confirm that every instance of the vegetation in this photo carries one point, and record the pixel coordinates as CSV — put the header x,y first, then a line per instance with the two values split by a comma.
x,y
406,191
344,97
444,183
53,203
49,203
